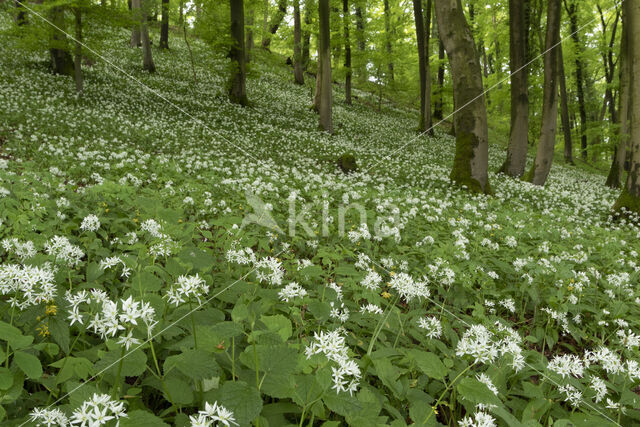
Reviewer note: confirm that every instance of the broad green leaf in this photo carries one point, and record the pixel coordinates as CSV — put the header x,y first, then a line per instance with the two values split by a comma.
x,y
240,398
139,418
6,378
428,363
278,324
14,336
476,392
28,363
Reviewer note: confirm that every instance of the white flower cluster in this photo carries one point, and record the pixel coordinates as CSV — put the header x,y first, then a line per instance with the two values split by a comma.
x,y
340,313
62,250
572,395
212,416
346,376
111,262
291,291
372,280
566,365
99,410
109,317
241,256
27,285
407,288
23,250
432,326
370,309
166,246
187,287
90,223
362,233
269,270
479,419
485,346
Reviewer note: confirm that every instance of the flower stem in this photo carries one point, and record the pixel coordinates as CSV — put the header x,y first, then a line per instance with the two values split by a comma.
x,y
434,408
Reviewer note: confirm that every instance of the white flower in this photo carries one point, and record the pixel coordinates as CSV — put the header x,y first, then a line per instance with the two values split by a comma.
x,y
213,415
479,419
185,288
292,290
90,223
432,325
372,280
567,364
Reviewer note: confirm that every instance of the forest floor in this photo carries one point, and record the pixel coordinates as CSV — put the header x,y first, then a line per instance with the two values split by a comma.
x,y
279,286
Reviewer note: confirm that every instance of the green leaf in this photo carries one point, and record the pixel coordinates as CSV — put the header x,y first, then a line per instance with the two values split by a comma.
x,y
14,336
306,390
180,391
243,400
133,364
139,418
428,363
194,364
278,324
342,403
6,378
476,392
28,363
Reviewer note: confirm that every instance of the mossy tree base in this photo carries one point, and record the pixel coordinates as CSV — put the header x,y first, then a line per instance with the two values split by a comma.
x,y
461,173
628,202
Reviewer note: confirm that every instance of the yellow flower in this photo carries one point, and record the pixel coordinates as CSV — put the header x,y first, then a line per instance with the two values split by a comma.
x,y
106,210
51,310
385,295
392,273
43,330
180,221
135,220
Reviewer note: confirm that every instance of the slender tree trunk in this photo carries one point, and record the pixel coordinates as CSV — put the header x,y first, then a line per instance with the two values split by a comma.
x,y
564,109
519,137
21,15
306,35
387,29
361,40
181,14
275,23
472,147
544,155
620,154
134,7
147,58
237,87
297,44
346,16
572,10
437,109
630,197
164,27
61,61
77,59
249,30
422,38
325,55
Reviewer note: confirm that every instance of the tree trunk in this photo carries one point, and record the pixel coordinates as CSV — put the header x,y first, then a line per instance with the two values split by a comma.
x,y
387,29
619,157
21,14
325,62
630,197
437,109
422,36
346,16
519,137
306,35
237,87
275,23
544,155
181,14
61,61
147,59
249,30
297,44
77,59
564,109
361,40
472,146
572,10
134,7
164,27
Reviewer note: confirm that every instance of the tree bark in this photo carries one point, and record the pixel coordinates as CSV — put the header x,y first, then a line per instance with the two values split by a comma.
x,y
630,197
21,14
297,44
544,155
387,29
325,62
77,59
614,178
61,61
472,147
134,7
306,35
346,16
519,137
237,87
164,27
275,23
564,109
249,30
422,36
437,109
572,11
147,58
